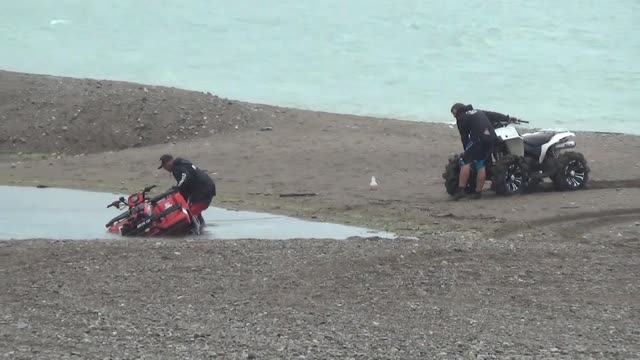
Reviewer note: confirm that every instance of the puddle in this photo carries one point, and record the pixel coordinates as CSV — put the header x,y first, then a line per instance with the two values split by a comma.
x,y
53,213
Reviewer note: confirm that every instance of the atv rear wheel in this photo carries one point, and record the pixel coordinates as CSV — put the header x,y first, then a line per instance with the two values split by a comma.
x,y
572,172
510,176
451,176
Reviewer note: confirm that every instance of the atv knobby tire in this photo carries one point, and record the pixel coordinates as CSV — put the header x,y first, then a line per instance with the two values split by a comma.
x,y
510,176
451,176
572,172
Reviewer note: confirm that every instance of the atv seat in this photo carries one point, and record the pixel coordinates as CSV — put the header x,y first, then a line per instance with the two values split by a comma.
x,y
537,138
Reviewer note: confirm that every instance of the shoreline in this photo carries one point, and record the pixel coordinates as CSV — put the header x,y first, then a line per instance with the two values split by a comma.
x,y
529,127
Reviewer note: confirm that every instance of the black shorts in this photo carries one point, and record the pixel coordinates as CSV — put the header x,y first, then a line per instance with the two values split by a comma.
x,y
477,153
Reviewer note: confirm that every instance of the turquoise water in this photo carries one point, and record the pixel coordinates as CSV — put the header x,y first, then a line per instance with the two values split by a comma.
x,y
81,215
570,64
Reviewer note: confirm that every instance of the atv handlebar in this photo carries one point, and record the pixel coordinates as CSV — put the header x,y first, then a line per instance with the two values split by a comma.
x,y
123,201
117,203
509,120
514,120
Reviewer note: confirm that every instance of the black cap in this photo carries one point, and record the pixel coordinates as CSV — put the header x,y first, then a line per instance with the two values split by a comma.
x,y
164,159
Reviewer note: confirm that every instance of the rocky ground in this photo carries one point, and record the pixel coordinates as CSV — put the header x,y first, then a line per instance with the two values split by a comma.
x,y
544,275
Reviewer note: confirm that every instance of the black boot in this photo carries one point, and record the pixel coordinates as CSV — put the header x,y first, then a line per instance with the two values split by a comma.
x,y
475,196
458,195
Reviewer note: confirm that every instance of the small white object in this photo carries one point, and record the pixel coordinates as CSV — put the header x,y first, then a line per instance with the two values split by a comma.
x,y
55,22
373,185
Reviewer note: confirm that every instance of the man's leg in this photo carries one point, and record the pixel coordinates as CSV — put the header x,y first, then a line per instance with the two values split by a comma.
x,y
484,154
482,176
480,179
465,173
198,208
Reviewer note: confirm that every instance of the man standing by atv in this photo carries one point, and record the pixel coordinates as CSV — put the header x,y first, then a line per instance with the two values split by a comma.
x,y
478,138
195,185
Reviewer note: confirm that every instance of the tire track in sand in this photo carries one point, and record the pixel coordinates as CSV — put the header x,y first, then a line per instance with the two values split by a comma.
x,y
578,223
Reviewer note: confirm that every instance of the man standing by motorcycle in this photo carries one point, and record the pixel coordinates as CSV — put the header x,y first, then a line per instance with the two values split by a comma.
x,y
478,138
195,185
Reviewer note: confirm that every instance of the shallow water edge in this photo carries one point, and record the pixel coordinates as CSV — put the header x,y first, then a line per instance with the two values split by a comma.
x,y
66,214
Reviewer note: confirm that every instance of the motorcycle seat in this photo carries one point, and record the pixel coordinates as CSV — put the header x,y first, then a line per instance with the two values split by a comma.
x,y
537,138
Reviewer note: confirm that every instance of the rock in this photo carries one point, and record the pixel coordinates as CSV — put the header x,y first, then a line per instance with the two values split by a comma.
x,y
266,128
65,128
21,324
13,165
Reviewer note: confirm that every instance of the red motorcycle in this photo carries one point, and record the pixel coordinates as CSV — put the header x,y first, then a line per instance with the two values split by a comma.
x,y
163,215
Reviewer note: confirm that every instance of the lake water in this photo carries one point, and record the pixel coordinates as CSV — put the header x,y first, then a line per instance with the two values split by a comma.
x,y
81,215
569,64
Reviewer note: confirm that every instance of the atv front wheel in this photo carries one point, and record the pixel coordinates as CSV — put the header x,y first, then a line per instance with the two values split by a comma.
x,y
572,172
451,176
510,176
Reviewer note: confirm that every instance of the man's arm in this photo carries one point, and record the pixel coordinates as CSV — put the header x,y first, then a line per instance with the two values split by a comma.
x,y
496,117
464,135
181,173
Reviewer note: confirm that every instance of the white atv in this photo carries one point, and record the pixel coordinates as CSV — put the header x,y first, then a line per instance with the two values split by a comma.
x,y
520,162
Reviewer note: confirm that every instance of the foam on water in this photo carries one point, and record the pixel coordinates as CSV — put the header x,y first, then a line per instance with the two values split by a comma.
x,y
58,22
556,63
50,213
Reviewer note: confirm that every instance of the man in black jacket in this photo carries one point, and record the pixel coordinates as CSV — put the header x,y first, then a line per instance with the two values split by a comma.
x,y
478,138
195,185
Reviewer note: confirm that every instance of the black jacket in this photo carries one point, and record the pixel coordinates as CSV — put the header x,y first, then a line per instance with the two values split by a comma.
x,y
193,183
477,125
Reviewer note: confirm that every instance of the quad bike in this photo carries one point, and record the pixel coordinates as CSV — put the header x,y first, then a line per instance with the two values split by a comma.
x,y
163,215
520,162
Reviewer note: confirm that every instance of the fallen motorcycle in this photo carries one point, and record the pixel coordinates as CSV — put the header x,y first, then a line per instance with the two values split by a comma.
x,y
166,214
